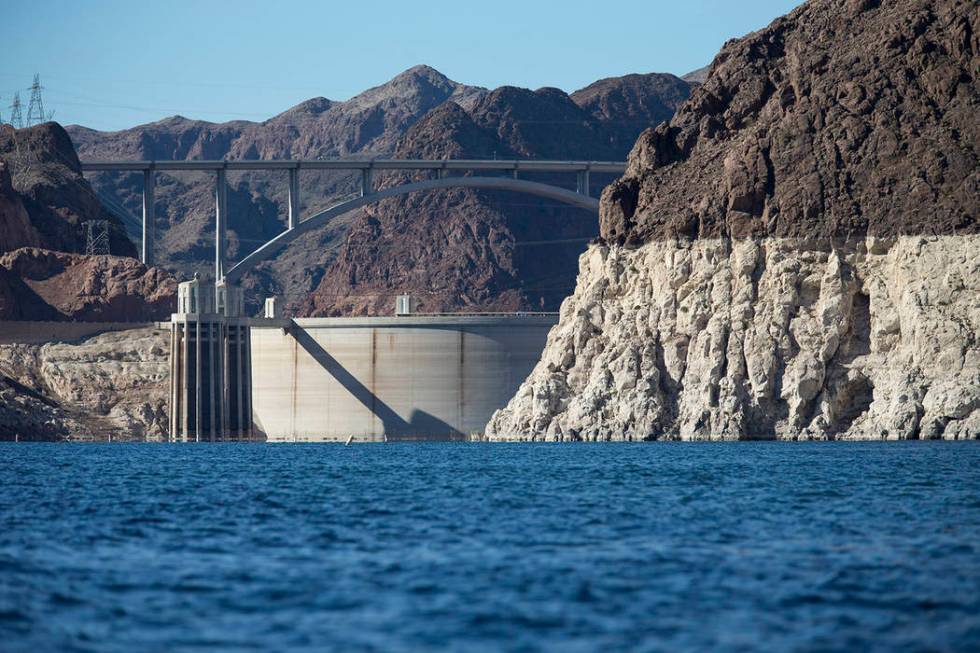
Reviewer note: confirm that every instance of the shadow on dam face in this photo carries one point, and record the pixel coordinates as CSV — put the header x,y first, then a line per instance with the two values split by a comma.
x,y
423,426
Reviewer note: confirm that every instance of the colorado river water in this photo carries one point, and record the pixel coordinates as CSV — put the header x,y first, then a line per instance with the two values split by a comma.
x,y
665,546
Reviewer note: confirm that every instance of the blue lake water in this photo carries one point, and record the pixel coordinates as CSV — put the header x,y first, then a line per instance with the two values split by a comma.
x,y
407,547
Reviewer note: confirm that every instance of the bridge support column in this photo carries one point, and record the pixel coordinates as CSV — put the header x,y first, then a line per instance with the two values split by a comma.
x,y
149,218
583,182
210,359
220,222
293,197
367,181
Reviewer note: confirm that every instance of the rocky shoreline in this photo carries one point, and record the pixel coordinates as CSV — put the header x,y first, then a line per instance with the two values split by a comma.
x,y
772,338
108,386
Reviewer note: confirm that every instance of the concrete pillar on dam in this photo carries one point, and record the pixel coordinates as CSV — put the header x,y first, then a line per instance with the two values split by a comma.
x,y
210,346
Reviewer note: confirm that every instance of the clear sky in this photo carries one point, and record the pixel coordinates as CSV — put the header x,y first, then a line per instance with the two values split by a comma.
x,y
111,64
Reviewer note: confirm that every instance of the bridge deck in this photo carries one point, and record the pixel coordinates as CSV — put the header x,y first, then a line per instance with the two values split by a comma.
x,y
613,167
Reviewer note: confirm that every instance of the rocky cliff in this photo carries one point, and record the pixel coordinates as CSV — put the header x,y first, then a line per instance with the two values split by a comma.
x,y
44,199
44,205
795,253
113,385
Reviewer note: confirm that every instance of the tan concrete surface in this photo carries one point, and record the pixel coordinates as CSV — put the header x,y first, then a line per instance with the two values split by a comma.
x,y
394,378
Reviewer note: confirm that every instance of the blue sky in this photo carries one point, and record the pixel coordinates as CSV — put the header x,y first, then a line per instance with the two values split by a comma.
x,y
113,64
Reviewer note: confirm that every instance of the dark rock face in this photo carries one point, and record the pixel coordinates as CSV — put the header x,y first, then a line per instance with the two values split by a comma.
x,y
599,122
465,250
16,229
44,203
842,119
44,200
38,284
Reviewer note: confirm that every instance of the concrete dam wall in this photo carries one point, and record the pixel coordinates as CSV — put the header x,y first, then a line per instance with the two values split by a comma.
x,y
417,377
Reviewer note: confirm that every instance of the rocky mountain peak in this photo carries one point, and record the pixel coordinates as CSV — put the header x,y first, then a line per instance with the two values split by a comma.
x,y
418,86
644,98
313,106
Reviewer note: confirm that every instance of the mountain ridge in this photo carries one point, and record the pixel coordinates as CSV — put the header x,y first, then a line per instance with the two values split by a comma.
x,y
544,123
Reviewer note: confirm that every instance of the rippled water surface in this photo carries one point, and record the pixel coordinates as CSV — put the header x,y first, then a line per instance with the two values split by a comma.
x,y
741,546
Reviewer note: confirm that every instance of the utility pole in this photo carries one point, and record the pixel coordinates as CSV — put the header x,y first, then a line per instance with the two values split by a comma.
x,y
96,237
35,108
16,119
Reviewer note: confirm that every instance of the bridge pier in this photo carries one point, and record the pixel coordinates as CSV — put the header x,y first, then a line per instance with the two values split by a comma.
x,y
367,182
220,222
583,182
149,217
293,197
210,358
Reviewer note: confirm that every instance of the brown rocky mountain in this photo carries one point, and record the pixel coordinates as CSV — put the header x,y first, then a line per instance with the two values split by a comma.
x,y
599,122
491,251
44,203
633,103
44,200
795,253
793,135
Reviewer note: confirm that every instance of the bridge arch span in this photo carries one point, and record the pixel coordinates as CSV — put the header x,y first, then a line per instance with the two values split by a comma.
x,y
280,242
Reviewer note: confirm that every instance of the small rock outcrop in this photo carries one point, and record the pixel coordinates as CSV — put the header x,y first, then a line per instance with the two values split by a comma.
x,y
795,253
38,284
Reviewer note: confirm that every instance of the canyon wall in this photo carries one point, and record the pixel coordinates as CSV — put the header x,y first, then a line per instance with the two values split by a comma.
x,y
795,254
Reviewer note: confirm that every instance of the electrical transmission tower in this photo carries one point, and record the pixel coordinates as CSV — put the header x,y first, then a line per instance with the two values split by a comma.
x,y
16,119
97,237
35,108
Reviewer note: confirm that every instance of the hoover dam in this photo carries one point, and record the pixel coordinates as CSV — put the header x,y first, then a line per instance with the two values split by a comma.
x,y
394,378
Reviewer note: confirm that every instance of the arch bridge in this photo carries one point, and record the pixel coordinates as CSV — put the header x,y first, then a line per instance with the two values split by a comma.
x,y
506,177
